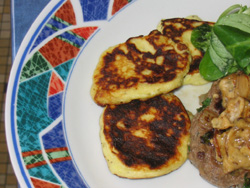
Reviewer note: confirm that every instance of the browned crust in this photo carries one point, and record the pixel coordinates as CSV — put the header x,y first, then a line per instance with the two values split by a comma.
x,y
163,133
174,29
108,79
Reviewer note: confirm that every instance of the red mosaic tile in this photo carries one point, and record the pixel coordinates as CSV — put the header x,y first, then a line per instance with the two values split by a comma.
x,y
118,4
56,85
57,51
84,32
66,13
34,165
41,184
61,159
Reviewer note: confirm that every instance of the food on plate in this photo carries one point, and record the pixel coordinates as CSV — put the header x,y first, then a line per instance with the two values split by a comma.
x,y
140,68
145,139
145,66
227,50
145,128
180,30
220,133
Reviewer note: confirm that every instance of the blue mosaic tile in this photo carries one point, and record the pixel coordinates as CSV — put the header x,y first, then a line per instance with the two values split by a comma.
x,y
57,23
94,9
55,105
63,69
71,176
72,38
54,138
31,110
46,32
44,172
53,25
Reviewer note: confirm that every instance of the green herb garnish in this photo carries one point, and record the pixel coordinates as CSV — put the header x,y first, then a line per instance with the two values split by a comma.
x,y
200,37
205,104
247,182
226,44
205,139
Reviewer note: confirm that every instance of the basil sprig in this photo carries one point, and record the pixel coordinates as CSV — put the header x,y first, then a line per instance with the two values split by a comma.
x,y
227,47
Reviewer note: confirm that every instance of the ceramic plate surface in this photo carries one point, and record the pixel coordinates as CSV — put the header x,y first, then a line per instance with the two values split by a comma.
x,y
52,124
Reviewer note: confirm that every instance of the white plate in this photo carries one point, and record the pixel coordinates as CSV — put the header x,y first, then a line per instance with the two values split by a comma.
x,y
52,124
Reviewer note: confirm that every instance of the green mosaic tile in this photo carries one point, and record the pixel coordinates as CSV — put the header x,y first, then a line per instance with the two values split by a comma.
x,y
34,66
58,154
33,159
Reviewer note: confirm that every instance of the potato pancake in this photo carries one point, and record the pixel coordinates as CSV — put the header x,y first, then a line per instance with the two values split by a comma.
x,y
180,30
145,139
140,68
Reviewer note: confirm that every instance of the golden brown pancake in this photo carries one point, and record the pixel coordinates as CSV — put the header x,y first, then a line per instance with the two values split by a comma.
x,y
179,30
140,68
145,139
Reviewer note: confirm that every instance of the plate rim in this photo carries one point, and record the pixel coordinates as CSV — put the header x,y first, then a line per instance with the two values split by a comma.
x,y
12,88
11,94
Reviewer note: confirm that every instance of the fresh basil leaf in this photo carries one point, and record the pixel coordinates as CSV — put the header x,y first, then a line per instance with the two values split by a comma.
x,y
200,37
247,69
203,38
236,42
234,68
239,21
230,10
229,47
244,63
208,70
205,104
219,55
246,10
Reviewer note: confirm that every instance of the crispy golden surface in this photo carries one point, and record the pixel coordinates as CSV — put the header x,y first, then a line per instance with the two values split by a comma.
x,y
145,139
140,68
179,30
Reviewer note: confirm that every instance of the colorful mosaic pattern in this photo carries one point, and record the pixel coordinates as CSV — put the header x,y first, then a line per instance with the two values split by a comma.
x,y
63,17
41,88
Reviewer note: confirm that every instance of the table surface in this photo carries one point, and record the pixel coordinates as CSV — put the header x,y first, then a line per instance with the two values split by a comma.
x,y
23,14
7,176
16,17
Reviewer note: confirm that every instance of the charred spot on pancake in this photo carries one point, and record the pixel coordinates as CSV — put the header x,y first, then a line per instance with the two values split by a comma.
x,y
146,132
175,27
194,67
180,30
129,70
141,63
